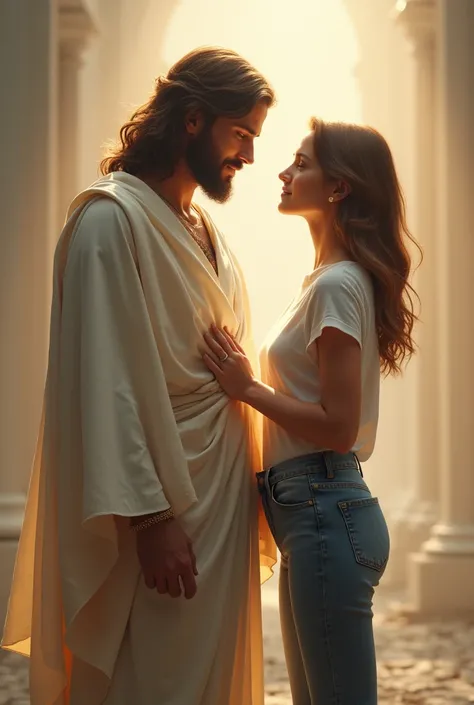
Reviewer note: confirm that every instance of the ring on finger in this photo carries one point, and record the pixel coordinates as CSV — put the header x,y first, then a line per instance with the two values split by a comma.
x,y
224,358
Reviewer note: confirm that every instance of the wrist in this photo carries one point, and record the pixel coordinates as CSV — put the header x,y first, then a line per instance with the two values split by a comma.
x,y
146,521
255,391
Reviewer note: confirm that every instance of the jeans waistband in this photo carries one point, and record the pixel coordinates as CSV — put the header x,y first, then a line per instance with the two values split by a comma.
x,y
327,463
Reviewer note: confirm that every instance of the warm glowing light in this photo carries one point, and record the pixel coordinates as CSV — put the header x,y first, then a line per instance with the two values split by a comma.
x,y
309,54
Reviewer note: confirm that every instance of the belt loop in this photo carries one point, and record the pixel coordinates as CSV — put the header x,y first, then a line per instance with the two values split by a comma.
x,y
358,465
329,466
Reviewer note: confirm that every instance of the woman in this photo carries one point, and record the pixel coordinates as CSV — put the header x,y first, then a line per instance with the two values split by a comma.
x,y
351,320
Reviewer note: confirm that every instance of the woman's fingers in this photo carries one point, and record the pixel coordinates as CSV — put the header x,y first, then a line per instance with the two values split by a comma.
x,y
211,365
222,339
218,353
237,346
221,344
230,339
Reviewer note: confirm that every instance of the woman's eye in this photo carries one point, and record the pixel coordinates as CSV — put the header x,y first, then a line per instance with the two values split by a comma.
x,y
299,165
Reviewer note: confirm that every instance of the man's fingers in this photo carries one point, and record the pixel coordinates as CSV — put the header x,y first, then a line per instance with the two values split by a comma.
x,y
161,585
174,588
149,581
193,559
189,583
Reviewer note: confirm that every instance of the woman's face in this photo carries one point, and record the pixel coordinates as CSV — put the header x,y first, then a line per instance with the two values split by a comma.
x,y
305,191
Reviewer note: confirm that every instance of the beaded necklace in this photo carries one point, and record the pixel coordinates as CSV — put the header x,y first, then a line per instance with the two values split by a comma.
x,y
192,230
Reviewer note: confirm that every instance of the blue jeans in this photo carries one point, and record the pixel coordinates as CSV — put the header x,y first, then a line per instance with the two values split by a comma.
x,y
334,546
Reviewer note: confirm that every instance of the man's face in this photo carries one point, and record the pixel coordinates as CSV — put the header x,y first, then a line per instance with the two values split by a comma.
x,y
219,150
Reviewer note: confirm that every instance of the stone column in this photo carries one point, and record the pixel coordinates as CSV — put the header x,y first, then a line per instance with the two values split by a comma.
x,y
414,520
441,575
75,29
27,207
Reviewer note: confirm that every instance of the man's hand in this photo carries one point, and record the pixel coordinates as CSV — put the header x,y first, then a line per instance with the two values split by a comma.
x,y
167,559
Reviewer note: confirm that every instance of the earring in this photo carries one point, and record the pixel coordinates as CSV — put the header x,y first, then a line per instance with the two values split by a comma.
x,y
331,199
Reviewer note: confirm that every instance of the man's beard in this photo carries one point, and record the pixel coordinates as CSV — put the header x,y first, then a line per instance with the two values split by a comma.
x,y
205,164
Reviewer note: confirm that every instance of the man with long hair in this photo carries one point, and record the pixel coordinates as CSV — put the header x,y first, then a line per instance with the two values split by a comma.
x,y
137,575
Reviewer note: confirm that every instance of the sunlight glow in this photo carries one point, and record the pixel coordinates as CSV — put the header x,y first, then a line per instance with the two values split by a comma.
x,y
309,53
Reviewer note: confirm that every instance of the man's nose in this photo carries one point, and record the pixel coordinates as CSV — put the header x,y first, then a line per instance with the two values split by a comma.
x,y
247,153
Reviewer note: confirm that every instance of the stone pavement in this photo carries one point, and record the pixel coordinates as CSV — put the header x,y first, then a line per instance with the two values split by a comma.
x,y
419,664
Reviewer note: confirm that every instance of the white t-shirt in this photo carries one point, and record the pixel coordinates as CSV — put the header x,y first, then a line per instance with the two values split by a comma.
x,y
339,296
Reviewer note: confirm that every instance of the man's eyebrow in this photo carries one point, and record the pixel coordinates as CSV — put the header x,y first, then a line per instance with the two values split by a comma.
x,y
248,129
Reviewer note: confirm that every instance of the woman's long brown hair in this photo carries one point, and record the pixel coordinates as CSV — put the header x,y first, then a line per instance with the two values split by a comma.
x,y
371,225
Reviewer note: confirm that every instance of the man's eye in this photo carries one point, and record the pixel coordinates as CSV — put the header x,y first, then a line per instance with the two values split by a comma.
x,y
241,135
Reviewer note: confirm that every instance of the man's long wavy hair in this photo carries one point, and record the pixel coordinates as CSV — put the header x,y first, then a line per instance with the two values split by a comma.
x,y
371,225
218,82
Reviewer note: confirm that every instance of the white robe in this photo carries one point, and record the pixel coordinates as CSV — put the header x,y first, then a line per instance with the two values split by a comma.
x,y
134,421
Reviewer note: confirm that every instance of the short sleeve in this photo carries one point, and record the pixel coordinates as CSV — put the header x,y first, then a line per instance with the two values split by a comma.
x,y
337,301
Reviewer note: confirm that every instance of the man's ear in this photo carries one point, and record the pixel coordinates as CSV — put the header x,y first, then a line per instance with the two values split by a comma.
x,y
194,122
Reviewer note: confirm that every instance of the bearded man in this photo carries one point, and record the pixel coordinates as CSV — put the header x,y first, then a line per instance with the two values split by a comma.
x,y
137,575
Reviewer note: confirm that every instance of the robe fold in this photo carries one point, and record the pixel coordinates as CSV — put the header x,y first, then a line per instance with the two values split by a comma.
x,y
133,422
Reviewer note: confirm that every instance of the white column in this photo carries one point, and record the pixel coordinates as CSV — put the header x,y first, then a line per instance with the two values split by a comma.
x,y
414,520
441,575
27,207
75,29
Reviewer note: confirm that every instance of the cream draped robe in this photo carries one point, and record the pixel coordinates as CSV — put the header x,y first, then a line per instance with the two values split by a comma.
x,y
133,421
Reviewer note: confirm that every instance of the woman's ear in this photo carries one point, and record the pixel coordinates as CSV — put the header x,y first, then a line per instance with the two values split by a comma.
x,y
341,191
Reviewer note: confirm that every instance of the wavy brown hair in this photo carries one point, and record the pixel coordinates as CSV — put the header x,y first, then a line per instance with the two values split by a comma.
x,y
371,225
218,82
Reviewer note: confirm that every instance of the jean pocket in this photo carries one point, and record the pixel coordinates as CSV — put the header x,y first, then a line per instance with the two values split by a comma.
x,y
292,492
368,532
